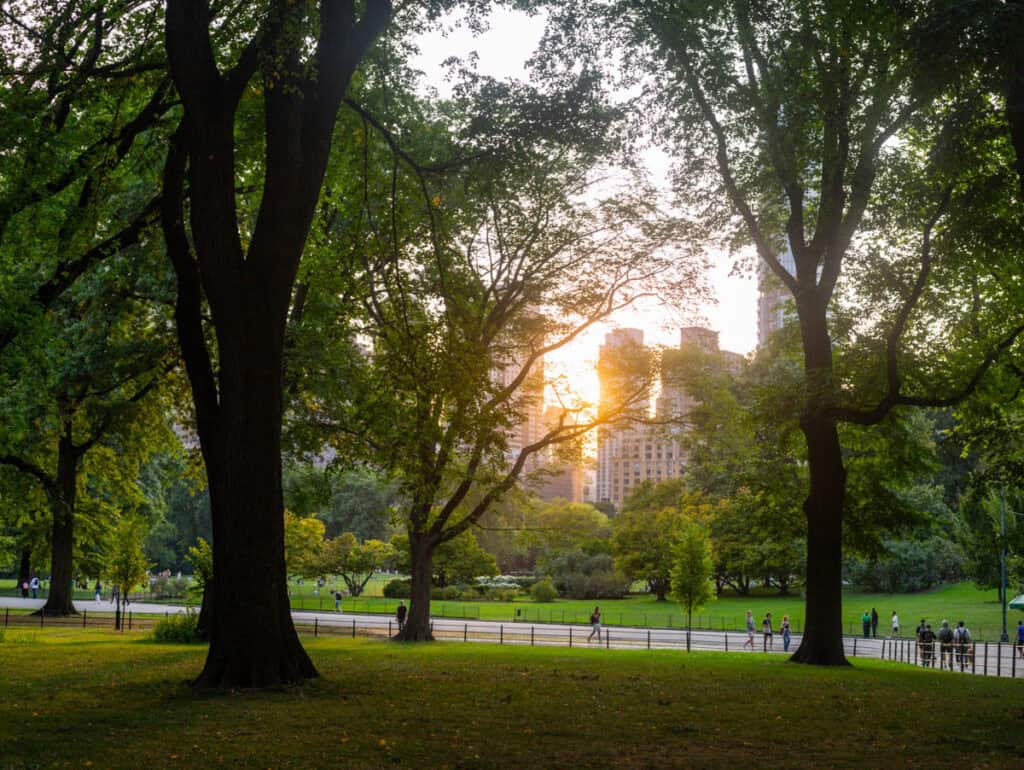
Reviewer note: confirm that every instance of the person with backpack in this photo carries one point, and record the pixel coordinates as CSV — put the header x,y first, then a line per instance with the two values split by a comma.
x,y
927,646
946,645
962,640
400,613
865,621
595,625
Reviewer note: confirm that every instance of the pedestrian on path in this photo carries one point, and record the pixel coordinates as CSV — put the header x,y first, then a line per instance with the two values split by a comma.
x,y
595,625
895,624
766,629
962,641
98,589
784,628
750,630
874,623
24,589
337,601
865,620
927,646
945,645
114,593
34,585
400,615
1020,638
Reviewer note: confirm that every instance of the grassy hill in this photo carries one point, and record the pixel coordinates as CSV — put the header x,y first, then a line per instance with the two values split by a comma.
x,y
94,699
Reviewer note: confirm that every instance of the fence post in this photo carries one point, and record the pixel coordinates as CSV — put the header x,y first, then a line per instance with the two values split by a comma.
x,y
531,636
84,612
42,614
570,636
465,632
648,639
855,646
316,627
999,658
687,639
501,633
607,638
353,628
7,616
389,628
984,671
1013,663
727,641
129,620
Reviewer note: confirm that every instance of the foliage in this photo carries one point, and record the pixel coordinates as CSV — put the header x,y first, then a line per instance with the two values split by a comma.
x,y
544,591
908,565
691,568
643,542
179,628
125,564
355,500
460,560
355,562
200,556
399,588
303,541
577,575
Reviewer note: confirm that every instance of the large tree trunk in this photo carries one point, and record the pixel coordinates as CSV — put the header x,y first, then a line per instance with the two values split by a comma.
x,y
59,601
253,642
417,621
822,641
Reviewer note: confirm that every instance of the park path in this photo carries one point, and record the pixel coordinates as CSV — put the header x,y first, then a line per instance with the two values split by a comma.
x,y
990,659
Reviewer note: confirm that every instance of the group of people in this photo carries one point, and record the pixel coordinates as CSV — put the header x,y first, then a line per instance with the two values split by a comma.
x,y
30,585
953,643
768,631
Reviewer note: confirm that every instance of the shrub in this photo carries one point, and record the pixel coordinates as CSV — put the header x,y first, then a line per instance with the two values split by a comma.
x,y
399,588
503,594
182,628
450,593
544,591
578,575
168,587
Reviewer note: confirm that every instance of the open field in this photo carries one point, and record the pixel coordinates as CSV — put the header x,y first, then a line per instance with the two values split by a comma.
x,y
94,699
979,608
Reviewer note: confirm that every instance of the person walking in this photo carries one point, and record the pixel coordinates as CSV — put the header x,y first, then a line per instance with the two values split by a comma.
x,y
865,620
874,623
750,630
927,646
895,624
595,625
400,613
766,629
1020,638
98,588
34,585
784,628
337,601
114,593
962,641
24,589
945,645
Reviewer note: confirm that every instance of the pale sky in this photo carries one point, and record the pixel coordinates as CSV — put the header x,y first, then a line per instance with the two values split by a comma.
x,y
502,52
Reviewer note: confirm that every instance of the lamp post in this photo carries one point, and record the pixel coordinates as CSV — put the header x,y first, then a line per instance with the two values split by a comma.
x,y
1002,560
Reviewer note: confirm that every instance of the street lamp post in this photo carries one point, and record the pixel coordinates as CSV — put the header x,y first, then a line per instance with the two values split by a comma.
x,y
1002,561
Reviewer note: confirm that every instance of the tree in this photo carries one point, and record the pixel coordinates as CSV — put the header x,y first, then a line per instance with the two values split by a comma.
x,y
245,271
643,542
303,544
200,556
355,562
691,571
125,565
488,261
827,140
457,560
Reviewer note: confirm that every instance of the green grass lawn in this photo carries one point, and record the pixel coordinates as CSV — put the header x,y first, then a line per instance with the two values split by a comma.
x,y
95,699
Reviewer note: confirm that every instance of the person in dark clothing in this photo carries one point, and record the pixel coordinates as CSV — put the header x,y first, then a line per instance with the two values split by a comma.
x,y
945,645
400,615
874,623
928,646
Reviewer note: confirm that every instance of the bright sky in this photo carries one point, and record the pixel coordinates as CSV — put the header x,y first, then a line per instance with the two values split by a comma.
x,y
502,52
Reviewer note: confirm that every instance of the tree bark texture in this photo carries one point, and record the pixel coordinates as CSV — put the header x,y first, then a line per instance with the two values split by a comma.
x,y
822,641
24,567
239,404
59,601
417,621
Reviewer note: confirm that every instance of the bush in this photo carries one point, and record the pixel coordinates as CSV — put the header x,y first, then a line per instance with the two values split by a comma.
x,y
448,593
168,587
908,566
544,591
399,588
577,575
182,628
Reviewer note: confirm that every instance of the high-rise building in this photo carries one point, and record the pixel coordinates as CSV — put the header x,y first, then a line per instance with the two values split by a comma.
x,y
772,297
